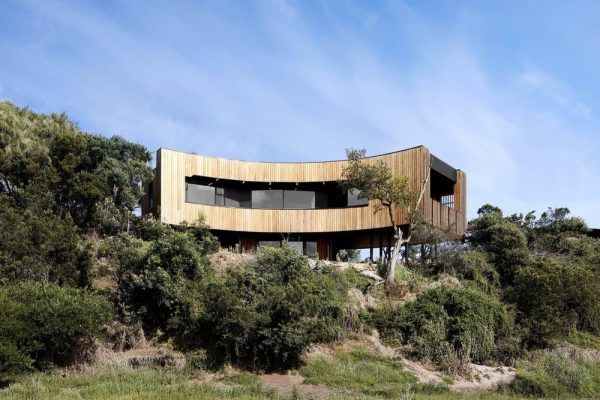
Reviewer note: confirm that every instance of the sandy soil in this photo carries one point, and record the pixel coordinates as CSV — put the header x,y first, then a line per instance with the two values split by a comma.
x,y
482,377
288,384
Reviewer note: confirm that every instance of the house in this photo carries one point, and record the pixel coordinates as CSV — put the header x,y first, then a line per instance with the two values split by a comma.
x,y
250,204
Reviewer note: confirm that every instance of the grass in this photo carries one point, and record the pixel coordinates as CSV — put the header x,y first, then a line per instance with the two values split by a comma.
x,y
364,373
355,374
585,340
551,374
126,384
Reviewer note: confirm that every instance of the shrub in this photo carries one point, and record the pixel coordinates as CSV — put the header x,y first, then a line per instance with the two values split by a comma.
x,y
47,324
502,240
264,316
554,298
549,374
447,324
162,285
12,362
36,245
479,273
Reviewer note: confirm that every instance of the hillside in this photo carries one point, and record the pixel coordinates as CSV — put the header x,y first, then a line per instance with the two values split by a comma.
x,y
100,303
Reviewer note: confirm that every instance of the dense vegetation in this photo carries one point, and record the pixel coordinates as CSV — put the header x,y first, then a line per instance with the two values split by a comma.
x,y
77,264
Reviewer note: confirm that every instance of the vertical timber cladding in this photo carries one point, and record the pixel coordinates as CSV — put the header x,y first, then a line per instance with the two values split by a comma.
x,y
173,167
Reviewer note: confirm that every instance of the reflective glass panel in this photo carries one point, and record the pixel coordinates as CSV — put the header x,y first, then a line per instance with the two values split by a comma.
x,y
200,194
220,197
267,199
311,249
298,199
269,243
237,198
354,200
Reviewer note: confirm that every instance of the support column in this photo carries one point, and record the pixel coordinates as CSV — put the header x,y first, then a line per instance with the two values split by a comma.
x,y
371,246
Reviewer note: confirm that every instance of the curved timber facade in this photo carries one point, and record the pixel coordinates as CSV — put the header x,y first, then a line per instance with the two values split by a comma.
x,y
248,203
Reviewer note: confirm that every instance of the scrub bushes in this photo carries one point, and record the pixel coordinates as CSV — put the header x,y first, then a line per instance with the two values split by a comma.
x,y
263,316
42,324
448,326
557,375
554,298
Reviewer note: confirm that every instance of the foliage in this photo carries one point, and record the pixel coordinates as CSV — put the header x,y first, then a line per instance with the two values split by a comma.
x,y
554,298
362,372
120,383
375,181
37,245
47,324
444,323
502,240
350,255
584,340
552,374
51,156
162,285
264,316
552,231
478,272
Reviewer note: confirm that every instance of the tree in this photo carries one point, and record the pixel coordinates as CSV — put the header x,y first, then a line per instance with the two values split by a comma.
x,y
502,240
377,182
48,156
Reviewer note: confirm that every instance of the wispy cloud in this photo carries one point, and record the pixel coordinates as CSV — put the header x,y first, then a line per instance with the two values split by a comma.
x,y
282,81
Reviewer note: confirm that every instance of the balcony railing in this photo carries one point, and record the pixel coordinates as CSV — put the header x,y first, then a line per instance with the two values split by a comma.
x,y
445,217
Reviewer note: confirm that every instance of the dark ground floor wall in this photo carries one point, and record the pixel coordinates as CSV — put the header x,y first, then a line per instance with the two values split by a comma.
x,y
324,246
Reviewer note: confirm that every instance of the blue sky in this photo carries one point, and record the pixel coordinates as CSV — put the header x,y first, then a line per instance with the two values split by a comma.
x,y
508,91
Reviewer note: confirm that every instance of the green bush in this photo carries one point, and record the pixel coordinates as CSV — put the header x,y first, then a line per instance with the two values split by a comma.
x,y
12,362
47,324
263,316
554,298
550,374
502,240
442,324
36,245
162,285
480,274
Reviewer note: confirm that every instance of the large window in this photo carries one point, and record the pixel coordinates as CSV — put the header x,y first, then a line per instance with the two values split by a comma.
x,y
199,194
354,198
269,243
275,196
237,198
311,249
298,246
298,199
267,199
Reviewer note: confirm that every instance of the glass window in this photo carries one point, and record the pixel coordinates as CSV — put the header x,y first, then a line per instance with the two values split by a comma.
x,y
354,198
237,198
298,246
151,195
321,200
269,243
311,249
200,194
220,196
298,199
267,199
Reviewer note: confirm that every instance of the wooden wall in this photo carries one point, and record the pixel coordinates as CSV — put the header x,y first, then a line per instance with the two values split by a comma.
x,y
173,167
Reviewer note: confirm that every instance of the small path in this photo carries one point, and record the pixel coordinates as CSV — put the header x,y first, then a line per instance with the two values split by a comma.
x,y
289,384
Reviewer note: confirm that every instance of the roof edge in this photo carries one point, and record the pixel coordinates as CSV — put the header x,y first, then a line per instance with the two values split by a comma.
x,y
290,162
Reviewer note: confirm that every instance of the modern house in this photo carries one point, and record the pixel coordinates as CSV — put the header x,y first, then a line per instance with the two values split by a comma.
x,y
251,204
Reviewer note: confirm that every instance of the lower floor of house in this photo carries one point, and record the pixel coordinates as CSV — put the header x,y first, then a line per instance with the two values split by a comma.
x,y
322,246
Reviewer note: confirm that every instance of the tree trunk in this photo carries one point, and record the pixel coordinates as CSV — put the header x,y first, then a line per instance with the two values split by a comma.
x,y
398,242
